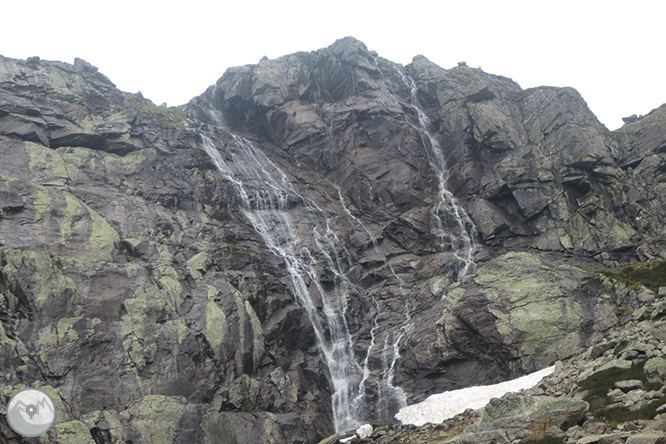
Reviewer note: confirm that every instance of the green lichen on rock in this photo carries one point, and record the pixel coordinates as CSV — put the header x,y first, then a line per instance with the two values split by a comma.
x,y
74,432
42,203
216,321
134,328
157,417
273,78
198,263
128,163
73,209
133,268
140,110
107,422
180,329
77,157
534,302
593,228
50,161
168,279
5,341
47,337
103,237
66,330
565,240
48,276
655,369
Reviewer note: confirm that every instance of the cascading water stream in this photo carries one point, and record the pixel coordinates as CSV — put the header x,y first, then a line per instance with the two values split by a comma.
x,y
270,202
461,242
389,395
295,229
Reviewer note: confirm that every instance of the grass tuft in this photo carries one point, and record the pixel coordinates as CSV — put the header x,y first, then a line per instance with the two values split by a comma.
x,y
651,275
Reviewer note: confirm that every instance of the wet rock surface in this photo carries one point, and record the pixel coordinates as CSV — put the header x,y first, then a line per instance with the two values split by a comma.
x,y
134,289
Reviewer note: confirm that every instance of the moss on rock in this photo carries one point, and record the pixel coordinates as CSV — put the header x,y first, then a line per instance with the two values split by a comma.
x,y
652,275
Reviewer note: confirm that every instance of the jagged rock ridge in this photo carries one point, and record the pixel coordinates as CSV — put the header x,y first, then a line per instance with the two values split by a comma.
x,y
136,290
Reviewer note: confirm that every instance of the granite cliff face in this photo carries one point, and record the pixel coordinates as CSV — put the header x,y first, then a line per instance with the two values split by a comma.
x,y
197,274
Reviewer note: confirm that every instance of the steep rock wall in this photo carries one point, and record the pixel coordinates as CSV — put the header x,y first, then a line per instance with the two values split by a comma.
x,y
134,284
129,284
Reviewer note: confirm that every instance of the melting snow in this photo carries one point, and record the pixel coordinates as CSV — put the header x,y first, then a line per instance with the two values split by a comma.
x,y
437,408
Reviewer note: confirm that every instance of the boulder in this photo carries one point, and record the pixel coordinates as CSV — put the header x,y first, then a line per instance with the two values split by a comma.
x,y
647,438
629,384
331,439
524,417
655,370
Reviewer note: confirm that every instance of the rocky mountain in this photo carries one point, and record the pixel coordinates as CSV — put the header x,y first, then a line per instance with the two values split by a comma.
x,y
311,244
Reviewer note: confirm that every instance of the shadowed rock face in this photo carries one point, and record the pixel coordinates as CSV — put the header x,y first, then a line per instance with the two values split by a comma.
x,y
134,287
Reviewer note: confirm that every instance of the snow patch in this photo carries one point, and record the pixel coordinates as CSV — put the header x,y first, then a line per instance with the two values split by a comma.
x,y
437,408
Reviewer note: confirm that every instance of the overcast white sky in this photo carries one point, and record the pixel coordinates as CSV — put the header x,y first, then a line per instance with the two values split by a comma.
x,y
611,51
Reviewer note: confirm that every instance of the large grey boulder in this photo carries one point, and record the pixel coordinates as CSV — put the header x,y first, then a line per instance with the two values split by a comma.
x,y
524,417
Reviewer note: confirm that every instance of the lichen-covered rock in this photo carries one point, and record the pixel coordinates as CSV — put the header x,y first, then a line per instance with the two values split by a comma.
x,y
133,286
123,273
655,369
647,438
519,311
522,417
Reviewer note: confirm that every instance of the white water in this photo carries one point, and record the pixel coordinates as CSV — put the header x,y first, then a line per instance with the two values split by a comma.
x,y
447,212
288,223
285,220
390,396
437,408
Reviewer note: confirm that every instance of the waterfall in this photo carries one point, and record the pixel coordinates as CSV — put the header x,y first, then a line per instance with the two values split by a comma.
x,y
447,214
299,232
389,396
296,230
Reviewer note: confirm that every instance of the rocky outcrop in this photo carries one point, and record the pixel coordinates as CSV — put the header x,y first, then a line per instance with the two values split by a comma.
x,y
529,310
516,417
536,167
136,289
610,392
130,289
